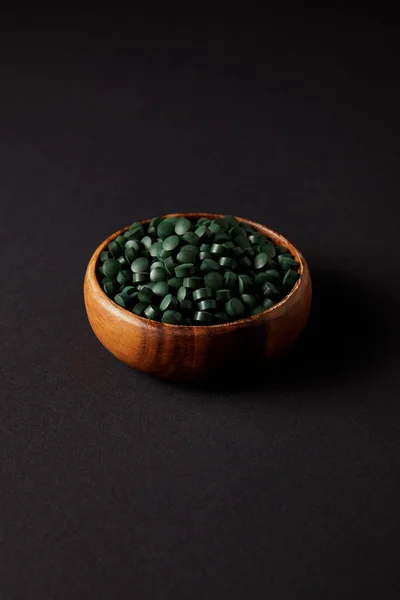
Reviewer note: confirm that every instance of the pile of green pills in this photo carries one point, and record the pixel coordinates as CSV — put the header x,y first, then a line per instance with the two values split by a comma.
x,y
201,272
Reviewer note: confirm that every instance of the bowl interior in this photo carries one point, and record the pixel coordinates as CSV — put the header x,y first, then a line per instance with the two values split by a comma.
x,y
277,238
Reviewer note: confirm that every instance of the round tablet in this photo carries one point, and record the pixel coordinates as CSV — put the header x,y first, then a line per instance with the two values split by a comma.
x,y
214,280
111,267
140,265
171,242
182,226
160,289
168,302
165,228
235,308
173,317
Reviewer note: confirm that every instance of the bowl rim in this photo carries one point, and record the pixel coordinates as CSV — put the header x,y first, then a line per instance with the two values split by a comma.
x,y
93,262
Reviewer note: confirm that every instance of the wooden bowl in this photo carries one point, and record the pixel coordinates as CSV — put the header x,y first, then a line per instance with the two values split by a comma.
x,y
184,352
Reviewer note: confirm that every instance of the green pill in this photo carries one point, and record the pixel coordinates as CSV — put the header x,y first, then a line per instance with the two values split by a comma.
x,y
158,264
286,262
156,248
221,237
246,227
270,290
186,305
260,260
290,278
237,252
218,250
249,252
190,248
235,308
230,280
163,254
136,225
229,245
185,270
146,295
165,229
273,264
160,289
139,308
132,244
273,275
205,255
172,317
257,310
182,226
140,265
101,270
105,255
152,312
223,295
110,286
130,290
124,277
268,303
123,300
280,250
207,305
209,264
248,300
268,248
155,222
185,257
115,249
214,280
134,234
245,262
175,282
111,267
191,238
242,242
221,316
192,283
205,247
171,242
121,261
214,227
202,294
147,242
228,263
244,282
158,274
203,232
169,302
182,293
202,318
256,238
140,277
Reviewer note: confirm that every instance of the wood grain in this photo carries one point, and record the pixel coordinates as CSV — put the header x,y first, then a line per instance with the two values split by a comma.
x,y
183,352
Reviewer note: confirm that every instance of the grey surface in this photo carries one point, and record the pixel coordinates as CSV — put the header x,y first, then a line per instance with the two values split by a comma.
x,y
117,485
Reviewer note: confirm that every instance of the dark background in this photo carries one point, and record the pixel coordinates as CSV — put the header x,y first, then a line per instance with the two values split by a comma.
x,y
115,485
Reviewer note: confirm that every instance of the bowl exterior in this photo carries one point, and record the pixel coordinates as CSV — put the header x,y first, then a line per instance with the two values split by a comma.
x,y
183,352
